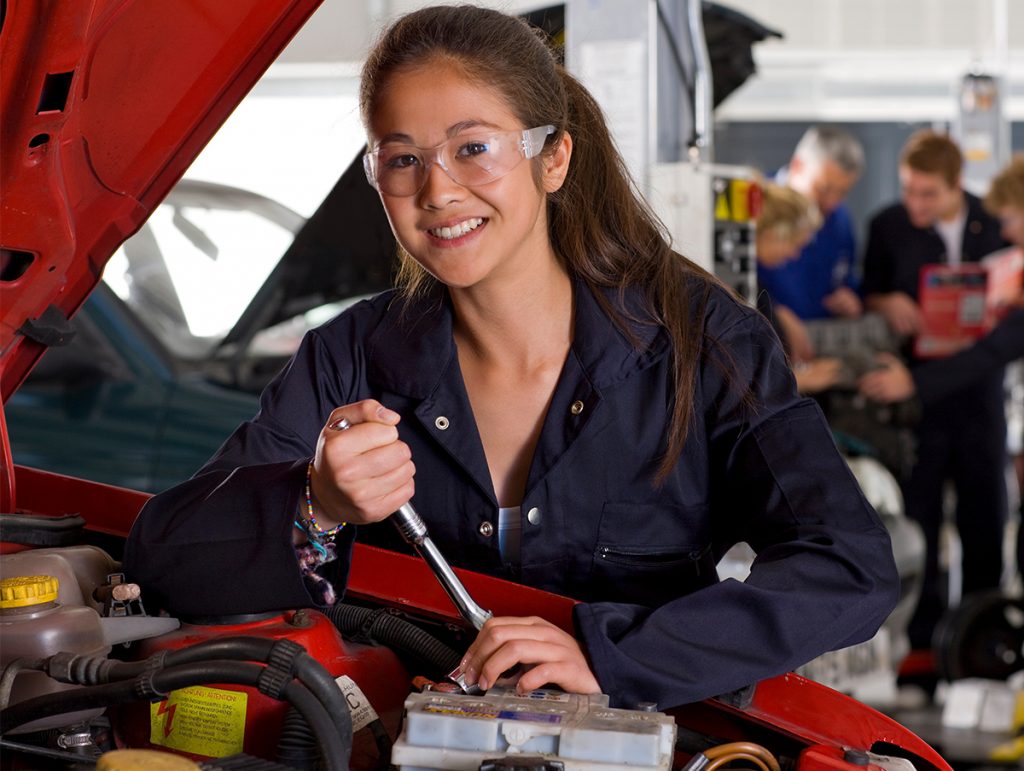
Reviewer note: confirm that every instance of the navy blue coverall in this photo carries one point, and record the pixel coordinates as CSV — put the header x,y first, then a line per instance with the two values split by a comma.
x,y
655,621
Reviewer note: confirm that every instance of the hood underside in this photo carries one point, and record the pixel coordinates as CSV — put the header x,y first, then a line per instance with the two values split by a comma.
x,y
104,105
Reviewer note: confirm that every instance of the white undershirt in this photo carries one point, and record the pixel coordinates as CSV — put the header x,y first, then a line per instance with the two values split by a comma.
x,y
510,531
952,234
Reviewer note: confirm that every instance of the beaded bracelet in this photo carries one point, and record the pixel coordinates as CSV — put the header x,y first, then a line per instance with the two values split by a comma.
x,y
312,527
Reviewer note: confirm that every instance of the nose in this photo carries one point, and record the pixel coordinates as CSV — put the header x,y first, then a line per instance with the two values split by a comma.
x,y
439,189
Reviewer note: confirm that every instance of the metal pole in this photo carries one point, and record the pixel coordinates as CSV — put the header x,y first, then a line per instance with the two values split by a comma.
x,y
703,149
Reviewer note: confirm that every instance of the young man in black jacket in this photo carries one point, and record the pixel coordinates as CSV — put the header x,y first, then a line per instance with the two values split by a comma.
x,y
938,379
962,437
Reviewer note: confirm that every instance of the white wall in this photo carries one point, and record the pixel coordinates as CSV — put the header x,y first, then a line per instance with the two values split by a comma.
x,y
891,24
878,60
342,30
841,60
849,60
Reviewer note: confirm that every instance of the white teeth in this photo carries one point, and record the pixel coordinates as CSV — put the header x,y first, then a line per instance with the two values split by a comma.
x,y
457,230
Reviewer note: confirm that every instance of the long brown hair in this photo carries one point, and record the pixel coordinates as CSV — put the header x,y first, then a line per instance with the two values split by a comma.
x,y
598,224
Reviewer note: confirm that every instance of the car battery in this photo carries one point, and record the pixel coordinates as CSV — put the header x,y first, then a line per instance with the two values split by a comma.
x,y
545,729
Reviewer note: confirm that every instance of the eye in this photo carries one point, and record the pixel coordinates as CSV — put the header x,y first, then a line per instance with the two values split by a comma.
x,y
473,147
399,160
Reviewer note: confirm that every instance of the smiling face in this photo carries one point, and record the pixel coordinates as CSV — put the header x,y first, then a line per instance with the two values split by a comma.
x,y
464,235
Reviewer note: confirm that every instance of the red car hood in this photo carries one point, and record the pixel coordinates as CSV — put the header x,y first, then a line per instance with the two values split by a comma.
x,y
105,103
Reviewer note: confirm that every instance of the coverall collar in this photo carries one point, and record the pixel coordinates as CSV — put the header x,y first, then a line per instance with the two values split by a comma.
x,y
413,346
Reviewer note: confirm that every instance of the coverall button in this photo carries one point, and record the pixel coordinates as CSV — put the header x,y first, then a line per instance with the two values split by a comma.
x,y
486,529
533,516
441,422
577,407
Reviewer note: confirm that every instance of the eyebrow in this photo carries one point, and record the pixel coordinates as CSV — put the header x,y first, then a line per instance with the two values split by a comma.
x,y
453,130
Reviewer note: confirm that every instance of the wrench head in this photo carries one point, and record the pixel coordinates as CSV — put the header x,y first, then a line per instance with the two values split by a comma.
x,y
458,677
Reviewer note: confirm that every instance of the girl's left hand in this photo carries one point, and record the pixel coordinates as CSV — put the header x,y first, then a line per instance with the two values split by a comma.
x,y
552,656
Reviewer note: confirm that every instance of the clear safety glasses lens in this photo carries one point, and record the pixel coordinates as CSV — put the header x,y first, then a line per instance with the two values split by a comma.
x,y
469,159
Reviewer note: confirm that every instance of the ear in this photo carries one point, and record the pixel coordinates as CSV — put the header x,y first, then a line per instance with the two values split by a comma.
x,y
796,165
556,163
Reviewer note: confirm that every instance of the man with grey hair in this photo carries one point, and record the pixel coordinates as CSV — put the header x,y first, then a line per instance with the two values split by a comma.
x,y
821,282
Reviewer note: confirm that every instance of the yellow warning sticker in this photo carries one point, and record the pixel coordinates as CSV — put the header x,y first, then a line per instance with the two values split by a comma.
x,y
203,721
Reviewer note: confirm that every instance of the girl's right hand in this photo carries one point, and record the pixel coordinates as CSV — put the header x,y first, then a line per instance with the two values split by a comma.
x,y
364,473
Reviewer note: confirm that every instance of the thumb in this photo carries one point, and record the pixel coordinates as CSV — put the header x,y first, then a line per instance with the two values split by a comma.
x,y
886,359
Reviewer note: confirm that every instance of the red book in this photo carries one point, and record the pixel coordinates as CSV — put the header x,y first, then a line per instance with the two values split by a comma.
x,y
960,304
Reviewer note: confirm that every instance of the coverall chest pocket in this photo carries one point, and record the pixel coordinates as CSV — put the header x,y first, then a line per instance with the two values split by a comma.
x,y
649,554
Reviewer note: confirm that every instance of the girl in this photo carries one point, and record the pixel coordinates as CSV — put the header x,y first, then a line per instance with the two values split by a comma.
x,y
584,411
787,222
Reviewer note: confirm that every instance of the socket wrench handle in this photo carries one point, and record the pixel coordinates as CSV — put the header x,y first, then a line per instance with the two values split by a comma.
x,y
410,524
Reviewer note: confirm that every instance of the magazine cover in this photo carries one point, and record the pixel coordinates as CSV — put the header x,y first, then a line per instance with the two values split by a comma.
x,y
960,304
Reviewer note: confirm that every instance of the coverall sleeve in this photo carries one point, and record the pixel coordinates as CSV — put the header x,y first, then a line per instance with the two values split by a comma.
x,y
220,543
937,379
878,261
824,576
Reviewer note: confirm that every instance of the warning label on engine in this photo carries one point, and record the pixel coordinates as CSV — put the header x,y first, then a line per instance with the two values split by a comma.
x,y
203,721
362,711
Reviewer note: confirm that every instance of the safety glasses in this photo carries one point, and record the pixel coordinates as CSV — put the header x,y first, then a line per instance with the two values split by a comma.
x,y
471,158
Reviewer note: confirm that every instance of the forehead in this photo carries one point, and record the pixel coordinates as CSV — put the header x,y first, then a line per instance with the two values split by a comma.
x,y
423,104
833,175
922,180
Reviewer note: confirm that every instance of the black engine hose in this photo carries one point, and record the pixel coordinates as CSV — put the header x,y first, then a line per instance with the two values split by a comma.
x,y
88,670
334,753
10,673
395,632
297,746
308,670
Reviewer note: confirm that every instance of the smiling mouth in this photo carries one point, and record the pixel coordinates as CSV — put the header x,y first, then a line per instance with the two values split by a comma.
x,y
456,231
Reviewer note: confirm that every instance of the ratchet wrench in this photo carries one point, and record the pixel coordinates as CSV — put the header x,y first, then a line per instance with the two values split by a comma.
x,y
410,524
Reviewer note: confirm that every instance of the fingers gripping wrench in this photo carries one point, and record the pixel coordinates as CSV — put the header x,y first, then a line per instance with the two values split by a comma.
x,y
413,530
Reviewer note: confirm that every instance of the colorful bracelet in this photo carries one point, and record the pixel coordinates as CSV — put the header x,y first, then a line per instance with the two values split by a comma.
x,y
320,548
312,527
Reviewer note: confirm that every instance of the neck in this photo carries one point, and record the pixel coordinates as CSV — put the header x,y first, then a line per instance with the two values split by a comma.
x,y
521,324
954,210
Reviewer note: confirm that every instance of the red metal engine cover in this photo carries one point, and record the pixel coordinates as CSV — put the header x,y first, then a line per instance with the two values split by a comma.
x,y
224,719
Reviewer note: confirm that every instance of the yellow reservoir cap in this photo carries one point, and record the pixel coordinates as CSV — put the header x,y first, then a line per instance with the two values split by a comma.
x,y
144,760
24,591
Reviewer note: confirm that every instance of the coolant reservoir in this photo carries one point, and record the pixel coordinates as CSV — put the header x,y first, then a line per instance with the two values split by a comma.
x,y
34,625
78,569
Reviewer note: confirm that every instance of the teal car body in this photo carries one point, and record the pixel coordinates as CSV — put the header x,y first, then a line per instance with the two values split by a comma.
x,y
114,406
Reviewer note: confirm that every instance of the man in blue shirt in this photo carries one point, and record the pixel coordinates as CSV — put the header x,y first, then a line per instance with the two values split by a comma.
x,y
821,282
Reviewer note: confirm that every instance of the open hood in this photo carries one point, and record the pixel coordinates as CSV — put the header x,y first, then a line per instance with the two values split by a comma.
x,y
344,250
105,103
